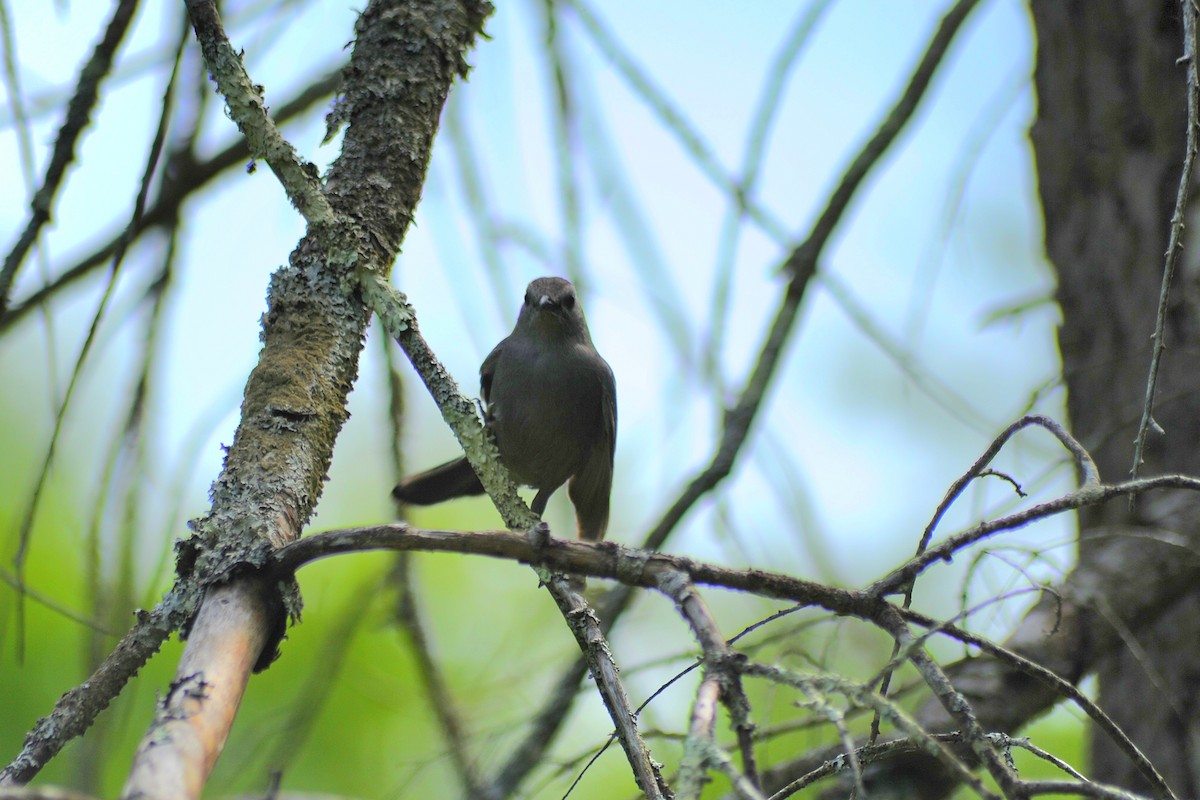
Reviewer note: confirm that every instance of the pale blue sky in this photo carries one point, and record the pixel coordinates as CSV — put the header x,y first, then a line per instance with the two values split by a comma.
x,y
871,454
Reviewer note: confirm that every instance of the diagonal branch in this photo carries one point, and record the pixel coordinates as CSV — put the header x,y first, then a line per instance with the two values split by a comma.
x,y
248,109
77,709
805,256
78,115
183,176
584,623
295,401
399,320
720,673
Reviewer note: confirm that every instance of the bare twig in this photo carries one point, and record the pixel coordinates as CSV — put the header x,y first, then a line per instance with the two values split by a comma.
x,y
1174,244
862,696
77,709
248,110
1028,746
1082,788
1083,461
1061,687
586,626
1085,495
956,706
720,665
87,90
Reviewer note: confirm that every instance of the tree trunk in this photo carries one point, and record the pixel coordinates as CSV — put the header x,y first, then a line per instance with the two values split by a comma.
x,y
1109,143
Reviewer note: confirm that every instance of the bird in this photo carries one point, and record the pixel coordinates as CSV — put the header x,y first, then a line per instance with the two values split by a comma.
x,y
550,401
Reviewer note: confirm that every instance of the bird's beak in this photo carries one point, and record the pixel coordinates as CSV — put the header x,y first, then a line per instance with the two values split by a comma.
x,y
544,301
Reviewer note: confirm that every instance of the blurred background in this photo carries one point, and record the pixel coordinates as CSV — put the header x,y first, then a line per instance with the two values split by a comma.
x,y
604,142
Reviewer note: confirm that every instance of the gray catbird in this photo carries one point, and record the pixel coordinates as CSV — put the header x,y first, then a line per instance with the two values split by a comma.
x,y
551,403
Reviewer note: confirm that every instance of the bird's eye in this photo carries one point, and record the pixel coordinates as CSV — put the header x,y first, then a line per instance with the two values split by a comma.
x,y
568,301
528,299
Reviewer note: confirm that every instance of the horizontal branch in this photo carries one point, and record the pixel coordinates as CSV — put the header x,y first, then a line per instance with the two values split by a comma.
x,y
629,565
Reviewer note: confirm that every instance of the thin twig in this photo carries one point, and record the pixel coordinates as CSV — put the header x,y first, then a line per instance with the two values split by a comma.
x,y
1099,791
1086,495
1062,687
248,110
182,177
1174,243
1028,746
584,623
956,705
865,755
720,663
863,696
79,110
77,709
1084,464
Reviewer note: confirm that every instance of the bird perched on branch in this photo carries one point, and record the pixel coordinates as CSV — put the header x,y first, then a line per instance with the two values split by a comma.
x,y
551,403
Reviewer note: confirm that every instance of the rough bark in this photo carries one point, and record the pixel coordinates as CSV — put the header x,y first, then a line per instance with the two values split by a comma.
x,y
1108,141
405,58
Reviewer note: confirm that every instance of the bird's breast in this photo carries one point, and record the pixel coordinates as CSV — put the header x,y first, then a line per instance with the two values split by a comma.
x,y
545,409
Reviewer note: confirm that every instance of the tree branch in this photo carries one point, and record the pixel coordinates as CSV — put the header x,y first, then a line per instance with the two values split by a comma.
x,y
182,177
1189,13
800,266
248,110
77,709
396,84
87,90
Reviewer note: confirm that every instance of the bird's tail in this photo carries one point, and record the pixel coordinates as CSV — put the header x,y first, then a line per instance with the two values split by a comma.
x,y
452,479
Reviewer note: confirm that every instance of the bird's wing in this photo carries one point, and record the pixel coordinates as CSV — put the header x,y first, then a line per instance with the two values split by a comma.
x,y
487,370
608,407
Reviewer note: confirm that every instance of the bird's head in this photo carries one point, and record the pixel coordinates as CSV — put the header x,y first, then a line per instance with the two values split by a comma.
x,y
552,309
